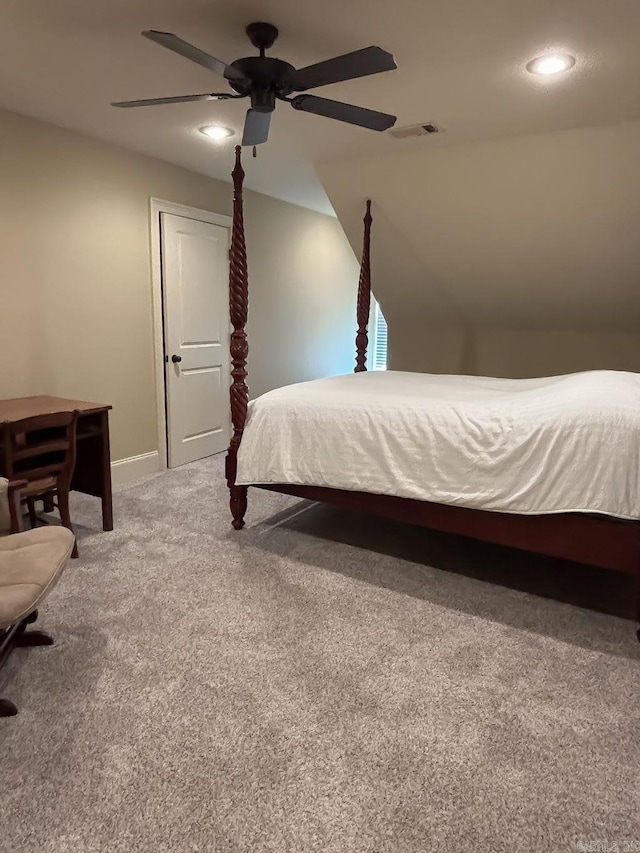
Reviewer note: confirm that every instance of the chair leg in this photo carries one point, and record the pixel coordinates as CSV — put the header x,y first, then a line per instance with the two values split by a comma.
x,y
26,639
18,637
31,506
65,516
29,639
7,709
638,603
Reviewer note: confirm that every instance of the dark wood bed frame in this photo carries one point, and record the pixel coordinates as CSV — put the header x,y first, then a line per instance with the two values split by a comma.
x,y
591,539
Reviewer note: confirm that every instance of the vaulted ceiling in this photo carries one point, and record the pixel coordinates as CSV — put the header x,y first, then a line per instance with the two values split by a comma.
x,y
461,63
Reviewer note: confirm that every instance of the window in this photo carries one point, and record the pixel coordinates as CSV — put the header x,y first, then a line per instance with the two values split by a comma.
x,y
378,338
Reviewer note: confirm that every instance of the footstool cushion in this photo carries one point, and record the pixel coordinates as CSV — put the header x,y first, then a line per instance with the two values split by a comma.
x,y
30,565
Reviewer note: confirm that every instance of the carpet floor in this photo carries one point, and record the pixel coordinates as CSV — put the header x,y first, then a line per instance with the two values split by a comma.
x,y
318,682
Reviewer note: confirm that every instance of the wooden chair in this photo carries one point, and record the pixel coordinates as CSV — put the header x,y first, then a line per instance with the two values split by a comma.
x,y
31,563
42,451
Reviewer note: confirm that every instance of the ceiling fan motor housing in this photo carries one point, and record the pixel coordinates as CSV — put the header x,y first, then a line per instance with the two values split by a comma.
x,y
268,78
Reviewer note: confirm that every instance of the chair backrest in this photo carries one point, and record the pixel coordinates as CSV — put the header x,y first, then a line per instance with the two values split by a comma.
x,y
41,447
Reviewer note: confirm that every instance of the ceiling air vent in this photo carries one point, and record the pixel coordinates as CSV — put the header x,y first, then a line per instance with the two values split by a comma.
x,y
416,130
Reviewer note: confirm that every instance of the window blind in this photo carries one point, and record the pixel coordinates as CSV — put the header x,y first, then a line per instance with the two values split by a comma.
x,y
379,350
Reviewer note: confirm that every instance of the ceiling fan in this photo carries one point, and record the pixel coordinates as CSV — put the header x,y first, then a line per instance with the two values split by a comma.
x,y
265,79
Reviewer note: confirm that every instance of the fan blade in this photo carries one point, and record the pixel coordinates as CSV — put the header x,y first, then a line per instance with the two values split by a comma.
x,y
256,127
178,99
360,63
343,112
178,45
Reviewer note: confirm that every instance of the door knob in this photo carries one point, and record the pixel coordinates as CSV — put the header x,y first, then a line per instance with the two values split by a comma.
x,y
176,358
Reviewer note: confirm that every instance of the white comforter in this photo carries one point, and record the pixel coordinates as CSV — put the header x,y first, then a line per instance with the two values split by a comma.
x,y
558,444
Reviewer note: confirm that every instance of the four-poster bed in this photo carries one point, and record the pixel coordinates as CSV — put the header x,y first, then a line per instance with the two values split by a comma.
x,y
600,534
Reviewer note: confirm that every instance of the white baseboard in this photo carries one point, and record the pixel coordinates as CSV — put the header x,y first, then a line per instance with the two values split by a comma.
x,y
127,470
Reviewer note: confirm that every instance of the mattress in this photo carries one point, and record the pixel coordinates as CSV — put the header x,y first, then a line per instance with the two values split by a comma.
x,y
531,446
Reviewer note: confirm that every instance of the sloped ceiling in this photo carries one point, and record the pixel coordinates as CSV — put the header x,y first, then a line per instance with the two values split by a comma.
x,y
461,63
535,233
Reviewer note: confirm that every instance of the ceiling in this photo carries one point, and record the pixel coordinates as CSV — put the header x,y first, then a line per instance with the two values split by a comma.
x,y
529,233
461,64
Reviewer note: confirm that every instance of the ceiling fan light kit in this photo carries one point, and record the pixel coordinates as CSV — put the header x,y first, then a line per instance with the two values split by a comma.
x,y
266,80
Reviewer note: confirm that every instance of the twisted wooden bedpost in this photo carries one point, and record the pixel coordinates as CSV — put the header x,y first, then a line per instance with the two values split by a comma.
x,y
239,348
364,295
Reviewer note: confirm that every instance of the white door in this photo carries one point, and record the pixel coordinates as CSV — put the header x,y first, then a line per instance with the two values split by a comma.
x,y
195,265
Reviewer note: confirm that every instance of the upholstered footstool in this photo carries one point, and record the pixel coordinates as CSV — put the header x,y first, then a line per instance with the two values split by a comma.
x,y
30,565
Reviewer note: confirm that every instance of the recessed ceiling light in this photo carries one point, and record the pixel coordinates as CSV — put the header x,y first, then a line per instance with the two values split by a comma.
x,y
217,131
554,63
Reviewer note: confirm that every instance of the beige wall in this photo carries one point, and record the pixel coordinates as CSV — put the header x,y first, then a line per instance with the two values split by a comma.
x,y
302,304
515,354
75,293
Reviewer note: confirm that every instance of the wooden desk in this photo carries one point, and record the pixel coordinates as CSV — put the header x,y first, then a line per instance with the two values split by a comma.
x,y
92,474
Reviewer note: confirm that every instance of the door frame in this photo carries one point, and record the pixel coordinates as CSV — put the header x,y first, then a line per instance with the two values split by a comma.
x,y
156,207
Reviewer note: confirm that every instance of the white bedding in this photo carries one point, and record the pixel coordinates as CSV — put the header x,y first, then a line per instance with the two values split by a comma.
x,y
558,444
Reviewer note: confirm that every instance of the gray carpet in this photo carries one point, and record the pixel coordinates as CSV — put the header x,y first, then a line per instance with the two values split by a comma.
x,y
312,684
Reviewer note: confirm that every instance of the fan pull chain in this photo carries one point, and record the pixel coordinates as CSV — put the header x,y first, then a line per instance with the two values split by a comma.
x,y
255,151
